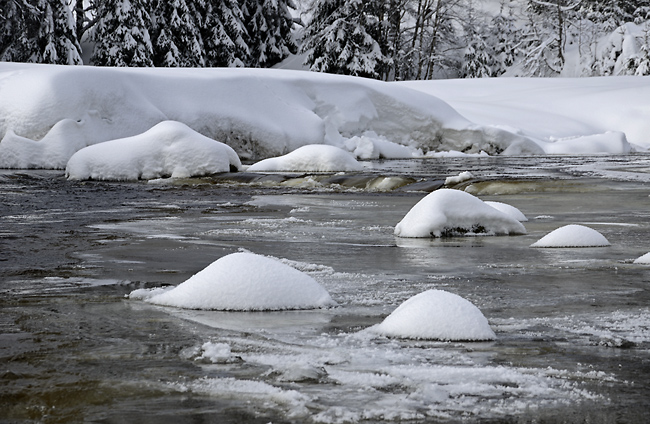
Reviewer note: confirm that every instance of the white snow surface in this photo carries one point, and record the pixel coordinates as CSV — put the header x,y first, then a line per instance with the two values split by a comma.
x,y
645,259
168,149
562,115
436,315
508,210
243,281
448,212
49,112
572,235
312,158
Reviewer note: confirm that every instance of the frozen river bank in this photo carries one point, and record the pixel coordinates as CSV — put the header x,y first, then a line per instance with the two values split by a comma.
x,y
572,325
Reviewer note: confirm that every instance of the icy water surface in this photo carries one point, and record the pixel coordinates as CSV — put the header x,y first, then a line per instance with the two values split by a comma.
x,y
573,325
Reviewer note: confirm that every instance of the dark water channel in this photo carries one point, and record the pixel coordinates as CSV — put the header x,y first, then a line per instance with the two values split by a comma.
x,y
573,325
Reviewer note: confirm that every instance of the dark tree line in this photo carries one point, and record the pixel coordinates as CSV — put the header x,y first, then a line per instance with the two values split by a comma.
x,y
170,33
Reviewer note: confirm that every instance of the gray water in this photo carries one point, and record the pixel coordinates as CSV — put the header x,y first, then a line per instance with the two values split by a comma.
x,y
572,325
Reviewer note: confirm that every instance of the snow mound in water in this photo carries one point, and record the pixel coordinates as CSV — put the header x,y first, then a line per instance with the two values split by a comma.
x,y
243,282
311,158
645,259
508,210
572,236
168,149
436,315
449,212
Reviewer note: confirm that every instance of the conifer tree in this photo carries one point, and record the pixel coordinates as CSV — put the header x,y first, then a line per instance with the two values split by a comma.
x,y
223,33
122,34
268,31
56,40
18,19
177,40
342,38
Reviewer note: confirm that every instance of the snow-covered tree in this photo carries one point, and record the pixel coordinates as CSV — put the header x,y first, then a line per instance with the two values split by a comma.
x,y
17,20
502,36
122,34
342,38
268,31
224,33
177,39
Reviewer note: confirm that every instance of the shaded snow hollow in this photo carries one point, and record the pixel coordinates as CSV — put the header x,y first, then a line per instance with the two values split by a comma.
x,y
572,236
49,112
436,315
168,149
243,282
449,212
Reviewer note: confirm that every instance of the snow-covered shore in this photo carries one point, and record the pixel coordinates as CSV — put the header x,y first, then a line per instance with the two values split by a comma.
x,y
47,113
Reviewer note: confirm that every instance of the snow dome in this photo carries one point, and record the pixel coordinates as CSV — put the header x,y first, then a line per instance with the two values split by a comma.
x,y
243,282
645,259
313,158
449,212
572,236
168,149
436,315
508,210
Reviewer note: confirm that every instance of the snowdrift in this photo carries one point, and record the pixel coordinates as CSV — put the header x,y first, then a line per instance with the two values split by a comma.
x,y
313,158
572,235
243,282
449,212
48,112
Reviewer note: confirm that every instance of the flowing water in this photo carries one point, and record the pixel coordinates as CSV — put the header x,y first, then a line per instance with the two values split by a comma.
x,y
572,325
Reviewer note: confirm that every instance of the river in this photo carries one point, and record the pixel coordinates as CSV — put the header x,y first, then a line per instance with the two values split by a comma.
x,y
572,325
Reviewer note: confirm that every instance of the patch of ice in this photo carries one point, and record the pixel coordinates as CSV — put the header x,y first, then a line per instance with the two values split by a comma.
x,y
245,282
311,158
437,315
168,149
572,235
449,212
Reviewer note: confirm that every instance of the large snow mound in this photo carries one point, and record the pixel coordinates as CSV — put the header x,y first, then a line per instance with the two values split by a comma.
x,y
168,149
645,259
243,282
449,212
437,315
508,210
312,158
562,115
48,112
572,235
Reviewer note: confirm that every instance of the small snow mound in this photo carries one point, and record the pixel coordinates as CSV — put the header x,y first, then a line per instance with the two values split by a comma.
x,y
311,158
508,210
168,149
449,212
245,282
462,177
572,236
644,260
436,315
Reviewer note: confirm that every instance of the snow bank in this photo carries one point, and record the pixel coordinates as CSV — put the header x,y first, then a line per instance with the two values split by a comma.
x,y
438,315
48,112
168,149
312,158
508,210
645,259
449,212
583,115
243,282
572,236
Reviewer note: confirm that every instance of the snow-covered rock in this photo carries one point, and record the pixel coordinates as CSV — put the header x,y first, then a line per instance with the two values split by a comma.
x,y
572,236
508,210
449,212
312,158
243,282
645,259
436,315
48,112
168,149
462,177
